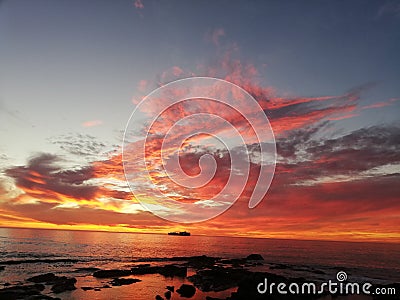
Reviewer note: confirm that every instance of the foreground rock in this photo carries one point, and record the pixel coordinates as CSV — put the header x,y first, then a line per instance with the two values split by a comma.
x,y
43,278
186,290
217,279
21,291
172,270
123,281
64,284
197,262
111,273
167,295
60,283
254,257
167,271
170,288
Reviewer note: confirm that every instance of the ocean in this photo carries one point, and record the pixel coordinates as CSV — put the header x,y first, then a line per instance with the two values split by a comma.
x,y
28,252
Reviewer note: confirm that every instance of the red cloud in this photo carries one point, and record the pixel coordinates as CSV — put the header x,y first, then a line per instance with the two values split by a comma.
x,y
138,4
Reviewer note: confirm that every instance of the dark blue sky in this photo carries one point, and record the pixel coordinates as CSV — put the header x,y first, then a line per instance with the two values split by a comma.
x,y
67,62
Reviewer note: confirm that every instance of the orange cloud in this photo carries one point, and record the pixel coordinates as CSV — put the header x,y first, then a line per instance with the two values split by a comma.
x,y
92,123
324,187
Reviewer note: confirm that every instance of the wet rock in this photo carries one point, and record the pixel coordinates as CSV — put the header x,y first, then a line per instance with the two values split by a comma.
x,y
235,262
167,295
172,270
123,281
142,265
45,260
217,279
167,271
21,291
279,267
186,290
145,269
64,284
87,269
254,257
40,297
60,283
170,288
111,273
197,262
158,297
43,278
203,261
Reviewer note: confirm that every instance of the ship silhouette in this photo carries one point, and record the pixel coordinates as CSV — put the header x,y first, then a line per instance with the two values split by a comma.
x,y
180,233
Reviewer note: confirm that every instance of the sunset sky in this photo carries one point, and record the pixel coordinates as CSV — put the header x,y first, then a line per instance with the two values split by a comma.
x,y
325,73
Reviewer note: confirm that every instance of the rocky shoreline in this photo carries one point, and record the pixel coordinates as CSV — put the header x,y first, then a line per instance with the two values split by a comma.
x,y
207,274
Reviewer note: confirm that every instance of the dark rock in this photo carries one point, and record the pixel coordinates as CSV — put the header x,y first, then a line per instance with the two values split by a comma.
x,y
33,261
43,278
167,271
167,295
170,288
145,269
254,257
123,281
64,284
142,265
2,268
87,269
97,289
279,267
87,288
158,297
171,271
213,298
111,273
106,286
217,279
186,290
197,262
40,297
203,261
21,291
60,284
235,262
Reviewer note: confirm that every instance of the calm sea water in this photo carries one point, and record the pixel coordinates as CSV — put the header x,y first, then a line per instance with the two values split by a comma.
x,y
378,261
